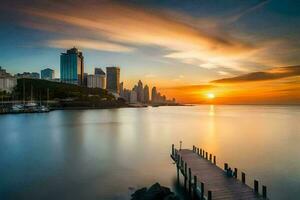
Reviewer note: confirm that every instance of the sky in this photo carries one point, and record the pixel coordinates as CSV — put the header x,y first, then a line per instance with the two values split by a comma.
x,y
239,52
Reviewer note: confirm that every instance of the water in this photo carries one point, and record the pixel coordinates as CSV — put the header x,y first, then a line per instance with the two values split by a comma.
x,y
104,154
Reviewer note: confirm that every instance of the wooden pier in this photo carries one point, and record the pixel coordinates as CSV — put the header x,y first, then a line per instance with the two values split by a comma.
x,y
203,179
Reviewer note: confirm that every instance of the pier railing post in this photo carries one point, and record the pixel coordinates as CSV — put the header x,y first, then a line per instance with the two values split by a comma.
x,y
177,166
195,187
215,160
200,152
206,155
235,172
209,195
243,177
264,191
173,152
210,157
256,186
197,151
202,191
190,181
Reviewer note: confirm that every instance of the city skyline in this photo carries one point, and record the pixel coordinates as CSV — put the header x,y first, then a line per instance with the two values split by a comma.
x,y
186,49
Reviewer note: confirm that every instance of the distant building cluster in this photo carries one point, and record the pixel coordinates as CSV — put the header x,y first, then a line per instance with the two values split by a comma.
x,y
140,94
72,72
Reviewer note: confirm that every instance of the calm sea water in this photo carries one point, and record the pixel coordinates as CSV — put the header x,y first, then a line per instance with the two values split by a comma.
x,y
105,154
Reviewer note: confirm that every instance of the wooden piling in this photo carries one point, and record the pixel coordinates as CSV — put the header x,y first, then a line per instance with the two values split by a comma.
x,y
195,187
209,195
215,160
206,155
256,186
197,151
210,157
200,152
190,181
202,191
264,191
185,175
177,166
243,177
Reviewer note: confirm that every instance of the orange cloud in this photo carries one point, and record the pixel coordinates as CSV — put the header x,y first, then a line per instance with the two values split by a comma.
x,y
275,73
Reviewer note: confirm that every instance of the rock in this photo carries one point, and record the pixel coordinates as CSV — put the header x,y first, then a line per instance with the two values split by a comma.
x,y
155,192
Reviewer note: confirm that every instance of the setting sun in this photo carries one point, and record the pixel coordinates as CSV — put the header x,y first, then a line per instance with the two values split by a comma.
x,y
211,95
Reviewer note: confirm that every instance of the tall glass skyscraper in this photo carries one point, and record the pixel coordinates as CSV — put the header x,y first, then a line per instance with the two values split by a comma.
x,y
72,67
113,79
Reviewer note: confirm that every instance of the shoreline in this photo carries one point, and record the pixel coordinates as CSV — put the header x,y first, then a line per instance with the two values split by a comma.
x,y
86,108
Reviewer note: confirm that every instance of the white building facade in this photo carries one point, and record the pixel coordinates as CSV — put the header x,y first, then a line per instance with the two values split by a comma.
x,y
96,81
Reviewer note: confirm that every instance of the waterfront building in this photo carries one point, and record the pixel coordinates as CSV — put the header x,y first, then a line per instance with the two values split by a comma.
x,y
146,94
3,72
85,77
133,96
121,89
96,81
140,92
101,76
47,74
72,67
126,95
7,81
113,79
153,95
99,71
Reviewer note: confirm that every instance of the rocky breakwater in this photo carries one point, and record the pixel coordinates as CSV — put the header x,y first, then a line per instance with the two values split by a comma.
x,y
155,192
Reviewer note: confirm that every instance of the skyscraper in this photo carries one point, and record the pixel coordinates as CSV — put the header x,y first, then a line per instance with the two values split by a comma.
x,y
122,89
47,74
146,94
72,67
113,79
153,95
140,92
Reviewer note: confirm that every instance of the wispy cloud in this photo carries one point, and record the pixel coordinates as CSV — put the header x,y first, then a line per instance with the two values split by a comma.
x,y
275,73
128,25
89,44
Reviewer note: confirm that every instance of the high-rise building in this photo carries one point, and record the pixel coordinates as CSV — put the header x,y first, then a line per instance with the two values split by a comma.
x,y
146,94
85,78
113,79
140,92
72,67
133,96
99,71
47,74
153,95
122,89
